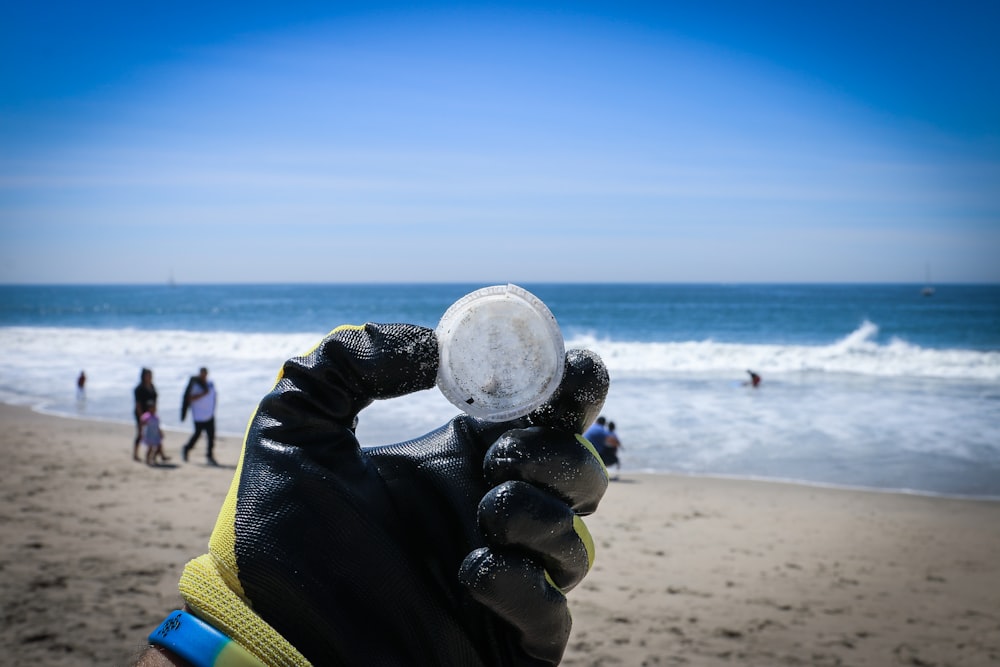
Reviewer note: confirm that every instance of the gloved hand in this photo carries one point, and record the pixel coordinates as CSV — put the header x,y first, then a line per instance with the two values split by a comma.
x,y
451,549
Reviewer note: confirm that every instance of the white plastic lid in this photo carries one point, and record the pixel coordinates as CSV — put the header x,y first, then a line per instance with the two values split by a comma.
x,y
501,353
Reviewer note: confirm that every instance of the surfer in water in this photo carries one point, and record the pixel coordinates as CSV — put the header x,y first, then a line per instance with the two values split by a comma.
x,y
754,380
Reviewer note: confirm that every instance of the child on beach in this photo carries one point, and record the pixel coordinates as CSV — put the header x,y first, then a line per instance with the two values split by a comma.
x,y
152,434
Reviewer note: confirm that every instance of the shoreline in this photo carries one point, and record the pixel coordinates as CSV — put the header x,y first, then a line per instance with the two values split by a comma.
x,y
690,569
641,471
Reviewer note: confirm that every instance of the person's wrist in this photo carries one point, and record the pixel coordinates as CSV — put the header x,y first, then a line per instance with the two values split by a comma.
x,y
197,643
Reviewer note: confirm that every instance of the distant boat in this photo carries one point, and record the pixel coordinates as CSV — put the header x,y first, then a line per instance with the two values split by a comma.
x,y
928,290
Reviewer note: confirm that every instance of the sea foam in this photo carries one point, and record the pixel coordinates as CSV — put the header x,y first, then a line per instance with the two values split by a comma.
x,y
854,412
856,353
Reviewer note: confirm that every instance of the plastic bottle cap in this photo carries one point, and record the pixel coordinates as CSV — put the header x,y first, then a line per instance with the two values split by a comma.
x,y
501,353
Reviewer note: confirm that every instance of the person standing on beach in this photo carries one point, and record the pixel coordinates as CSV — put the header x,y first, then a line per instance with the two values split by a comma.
x,y
200,397
144,393
152,435
81,382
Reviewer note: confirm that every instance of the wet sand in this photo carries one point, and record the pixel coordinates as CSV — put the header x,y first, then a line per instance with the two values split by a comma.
x,y
689,571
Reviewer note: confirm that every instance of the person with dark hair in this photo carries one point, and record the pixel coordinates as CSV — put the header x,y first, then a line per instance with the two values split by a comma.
x,y
611,446
143,394
597,433
81,387
200,398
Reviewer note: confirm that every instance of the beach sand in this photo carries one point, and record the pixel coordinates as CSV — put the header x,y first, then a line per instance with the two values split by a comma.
x,y
689,571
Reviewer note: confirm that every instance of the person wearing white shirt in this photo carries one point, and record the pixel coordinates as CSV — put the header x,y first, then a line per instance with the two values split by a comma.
x,y
201,397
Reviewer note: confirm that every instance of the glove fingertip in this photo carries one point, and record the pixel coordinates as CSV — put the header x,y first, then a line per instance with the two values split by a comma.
x,y
580,396
519,591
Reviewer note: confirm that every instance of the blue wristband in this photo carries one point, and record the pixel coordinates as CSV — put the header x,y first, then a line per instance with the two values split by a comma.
x,y
199,643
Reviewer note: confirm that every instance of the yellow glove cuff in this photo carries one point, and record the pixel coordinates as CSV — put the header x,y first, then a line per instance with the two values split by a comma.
x,y
212,589
206,593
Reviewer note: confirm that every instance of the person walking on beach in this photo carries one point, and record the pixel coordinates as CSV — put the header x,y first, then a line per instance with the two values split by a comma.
x,y
144,393
152,435
200,397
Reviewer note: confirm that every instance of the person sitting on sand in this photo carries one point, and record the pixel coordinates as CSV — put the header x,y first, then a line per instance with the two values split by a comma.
x,y
597,434
454,548
601,436
611,446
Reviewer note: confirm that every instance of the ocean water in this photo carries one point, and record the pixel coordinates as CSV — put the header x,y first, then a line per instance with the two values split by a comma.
x,y
867,386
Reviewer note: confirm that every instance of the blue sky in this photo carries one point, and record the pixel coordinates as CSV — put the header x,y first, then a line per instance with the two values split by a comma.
x,y
523,142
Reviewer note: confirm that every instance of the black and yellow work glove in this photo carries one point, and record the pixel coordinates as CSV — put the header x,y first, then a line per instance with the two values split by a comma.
x,y
452,549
